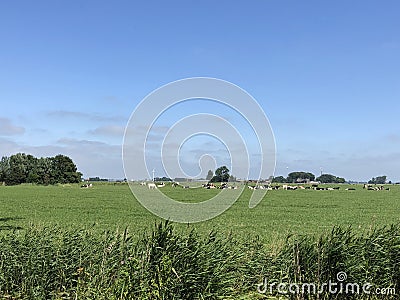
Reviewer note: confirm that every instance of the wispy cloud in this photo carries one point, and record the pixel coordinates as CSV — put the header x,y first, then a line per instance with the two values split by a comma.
x,y
109,130
393,138
111,99
8,128
81,143
84,115
393,45
94,158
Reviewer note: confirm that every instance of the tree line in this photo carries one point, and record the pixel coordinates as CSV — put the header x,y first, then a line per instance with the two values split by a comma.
x,y
25,168
303,177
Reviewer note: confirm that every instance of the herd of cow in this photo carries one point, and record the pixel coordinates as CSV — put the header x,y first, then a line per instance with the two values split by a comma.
x,y
222,186
294,187
153,185
315,187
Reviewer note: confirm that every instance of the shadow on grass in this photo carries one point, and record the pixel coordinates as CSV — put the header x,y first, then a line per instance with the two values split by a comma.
x,y
10,227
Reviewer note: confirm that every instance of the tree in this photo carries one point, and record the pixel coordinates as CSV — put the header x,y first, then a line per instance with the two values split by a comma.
x,y
378,180
210,175
381,179
4,168
300,176
279,179
340,180
328,178
21,165
44,171
221,175
64,170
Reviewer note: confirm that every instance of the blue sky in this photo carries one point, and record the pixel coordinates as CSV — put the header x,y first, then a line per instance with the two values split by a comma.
x,y
327,75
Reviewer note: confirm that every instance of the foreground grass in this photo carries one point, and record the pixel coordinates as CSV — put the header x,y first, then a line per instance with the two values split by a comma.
x,y
59,263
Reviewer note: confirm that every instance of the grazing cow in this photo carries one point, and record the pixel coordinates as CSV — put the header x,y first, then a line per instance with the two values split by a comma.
x,y
285,187
223,186
88,185
161,185
152,186
143,183
208,186
320,189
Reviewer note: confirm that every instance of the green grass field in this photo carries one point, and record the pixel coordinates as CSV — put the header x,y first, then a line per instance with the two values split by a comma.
x,y
281,212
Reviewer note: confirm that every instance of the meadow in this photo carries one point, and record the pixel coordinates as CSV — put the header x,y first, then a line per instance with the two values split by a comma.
x,y
67,242
110,206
